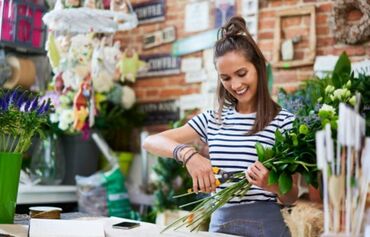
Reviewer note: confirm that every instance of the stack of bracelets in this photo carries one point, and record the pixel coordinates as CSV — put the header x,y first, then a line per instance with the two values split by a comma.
x,y
184,159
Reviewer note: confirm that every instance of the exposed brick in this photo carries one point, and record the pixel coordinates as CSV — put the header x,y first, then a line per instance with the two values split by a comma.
x,y
297,31
170,93
352,51
285,76
266,14
325,42
321,19
322,30
148,83
266,45
266,35
152,93
266,24
325,7
291,21
354,15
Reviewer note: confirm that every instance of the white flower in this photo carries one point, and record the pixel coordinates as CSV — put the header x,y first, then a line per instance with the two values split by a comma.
x,y
54,117
128,97
63,126
66,117
342,94
329,89
64,100
328,108
103,82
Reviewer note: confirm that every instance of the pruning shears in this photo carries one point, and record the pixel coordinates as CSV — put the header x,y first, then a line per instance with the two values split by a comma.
x,y
226,176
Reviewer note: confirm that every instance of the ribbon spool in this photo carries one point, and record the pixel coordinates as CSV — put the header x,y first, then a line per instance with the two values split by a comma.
x,y
45,212
23,72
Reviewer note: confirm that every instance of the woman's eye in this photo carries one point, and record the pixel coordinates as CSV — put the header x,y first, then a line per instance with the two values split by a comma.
x,y
242,74
224,78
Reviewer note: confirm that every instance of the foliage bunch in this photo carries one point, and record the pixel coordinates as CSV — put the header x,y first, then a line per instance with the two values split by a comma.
x,y
22,115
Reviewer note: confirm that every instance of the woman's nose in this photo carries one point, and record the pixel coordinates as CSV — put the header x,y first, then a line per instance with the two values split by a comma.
x,y
235,84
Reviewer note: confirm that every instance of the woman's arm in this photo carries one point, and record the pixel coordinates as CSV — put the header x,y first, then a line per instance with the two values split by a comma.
x,y
257,174
199,167
163,144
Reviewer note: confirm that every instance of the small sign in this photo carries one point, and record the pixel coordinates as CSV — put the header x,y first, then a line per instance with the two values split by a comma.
x,y
157,38
149,12
161,112
160,65
197,16
196,76
191,64
195,43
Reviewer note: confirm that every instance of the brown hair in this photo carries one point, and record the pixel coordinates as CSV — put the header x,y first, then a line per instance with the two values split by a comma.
x,y
234,37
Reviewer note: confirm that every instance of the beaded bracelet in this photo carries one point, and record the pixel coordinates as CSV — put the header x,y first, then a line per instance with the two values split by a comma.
x,y
191,156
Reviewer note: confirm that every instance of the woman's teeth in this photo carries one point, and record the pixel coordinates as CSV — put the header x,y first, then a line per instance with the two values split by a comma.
x,y
240,92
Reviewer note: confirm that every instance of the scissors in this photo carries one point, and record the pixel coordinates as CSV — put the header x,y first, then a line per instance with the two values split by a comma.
x,y
226,176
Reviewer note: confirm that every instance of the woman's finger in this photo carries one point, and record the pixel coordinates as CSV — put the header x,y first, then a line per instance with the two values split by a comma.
x,y
195,184
201,184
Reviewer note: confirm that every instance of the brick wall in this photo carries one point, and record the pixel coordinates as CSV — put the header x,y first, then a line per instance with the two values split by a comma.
x,y
170,87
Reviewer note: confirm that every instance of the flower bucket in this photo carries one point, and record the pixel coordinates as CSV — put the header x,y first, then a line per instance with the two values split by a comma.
x,y
10,168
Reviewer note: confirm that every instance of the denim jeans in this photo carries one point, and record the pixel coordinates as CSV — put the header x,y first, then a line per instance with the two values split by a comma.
x,y
260,219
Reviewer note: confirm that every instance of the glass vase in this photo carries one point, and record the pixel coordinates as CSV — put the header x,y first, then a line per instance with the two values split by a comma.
x,y
48,162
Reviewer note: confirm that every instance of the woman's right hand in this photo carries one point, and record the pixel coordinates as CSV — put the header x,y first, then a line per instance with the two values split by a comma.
x,y
200,169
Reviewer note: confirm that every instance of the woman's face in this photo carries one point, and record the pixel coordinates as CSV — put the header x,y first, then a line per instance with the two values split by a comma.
x,y
239,77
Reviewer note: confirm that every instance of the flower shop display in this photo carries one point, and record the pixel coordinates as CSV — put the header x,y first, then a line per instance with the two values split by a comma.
x,y
88,67
345,163
315,105
22,115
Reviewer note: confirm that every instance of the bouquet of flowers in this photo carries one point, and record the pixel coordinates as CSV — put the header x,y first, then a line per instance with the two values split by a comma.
x,y
22,115
87,75
315,104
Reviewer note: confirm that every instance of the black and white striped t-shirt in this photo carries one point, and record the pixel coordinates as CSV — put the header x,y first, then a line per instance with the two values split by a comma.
x,y
231,149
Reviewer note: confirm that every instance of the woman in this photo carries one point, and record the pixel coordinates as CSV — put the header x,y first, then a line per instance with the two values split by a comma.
x,y
246,115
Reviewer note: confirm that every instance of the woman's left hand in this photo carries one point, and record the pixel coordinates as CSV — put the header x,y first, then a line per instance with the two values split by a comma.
x,y
257,174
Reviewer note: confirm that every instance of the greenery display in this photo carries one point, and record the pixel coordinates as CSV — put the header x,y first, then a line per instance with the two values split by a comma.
x,y
22,115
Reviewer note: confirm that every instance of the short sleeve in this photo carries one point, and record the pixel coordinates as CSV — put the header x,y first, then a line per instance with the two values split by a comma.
x,y
287,123
200,123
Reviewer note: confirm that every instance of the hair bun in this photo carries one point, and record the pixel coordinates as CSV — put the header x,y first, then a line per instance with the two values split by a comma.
x,y
235,26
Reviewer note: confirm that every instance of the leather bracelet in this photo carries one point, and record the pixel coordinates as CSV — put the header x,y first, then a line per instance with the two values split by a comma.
x,y
182,158
176,152
191,156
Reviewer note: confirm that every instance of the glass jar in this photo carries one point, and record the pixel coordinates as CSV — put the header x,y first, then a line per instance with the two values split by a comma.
x,y
48,163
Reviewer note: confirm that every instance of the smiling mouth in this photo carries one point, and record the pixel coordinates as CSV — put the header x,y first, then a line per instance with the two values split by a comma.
x,y
243,91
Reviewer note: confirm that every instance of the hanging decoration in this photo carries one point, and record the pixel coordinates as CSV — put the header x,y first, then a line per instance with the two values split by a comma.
x,y
351,33
87,62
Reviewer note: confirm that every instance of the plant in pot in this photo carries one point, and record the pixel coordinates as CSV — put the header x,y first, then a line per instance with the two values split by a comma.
x,y
118,125
22,115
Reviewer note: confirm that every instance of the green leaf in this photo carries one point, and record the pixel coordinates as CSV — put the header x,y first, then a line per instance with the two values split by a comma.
x,y
260,152
278,136
273,178
343,65
292,167
285,183
269,153
282,167
307,177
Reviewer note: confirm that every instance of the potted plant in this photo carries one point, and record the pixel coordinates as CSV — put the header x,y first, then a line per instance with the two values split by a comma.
x,y
117,125
22,115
